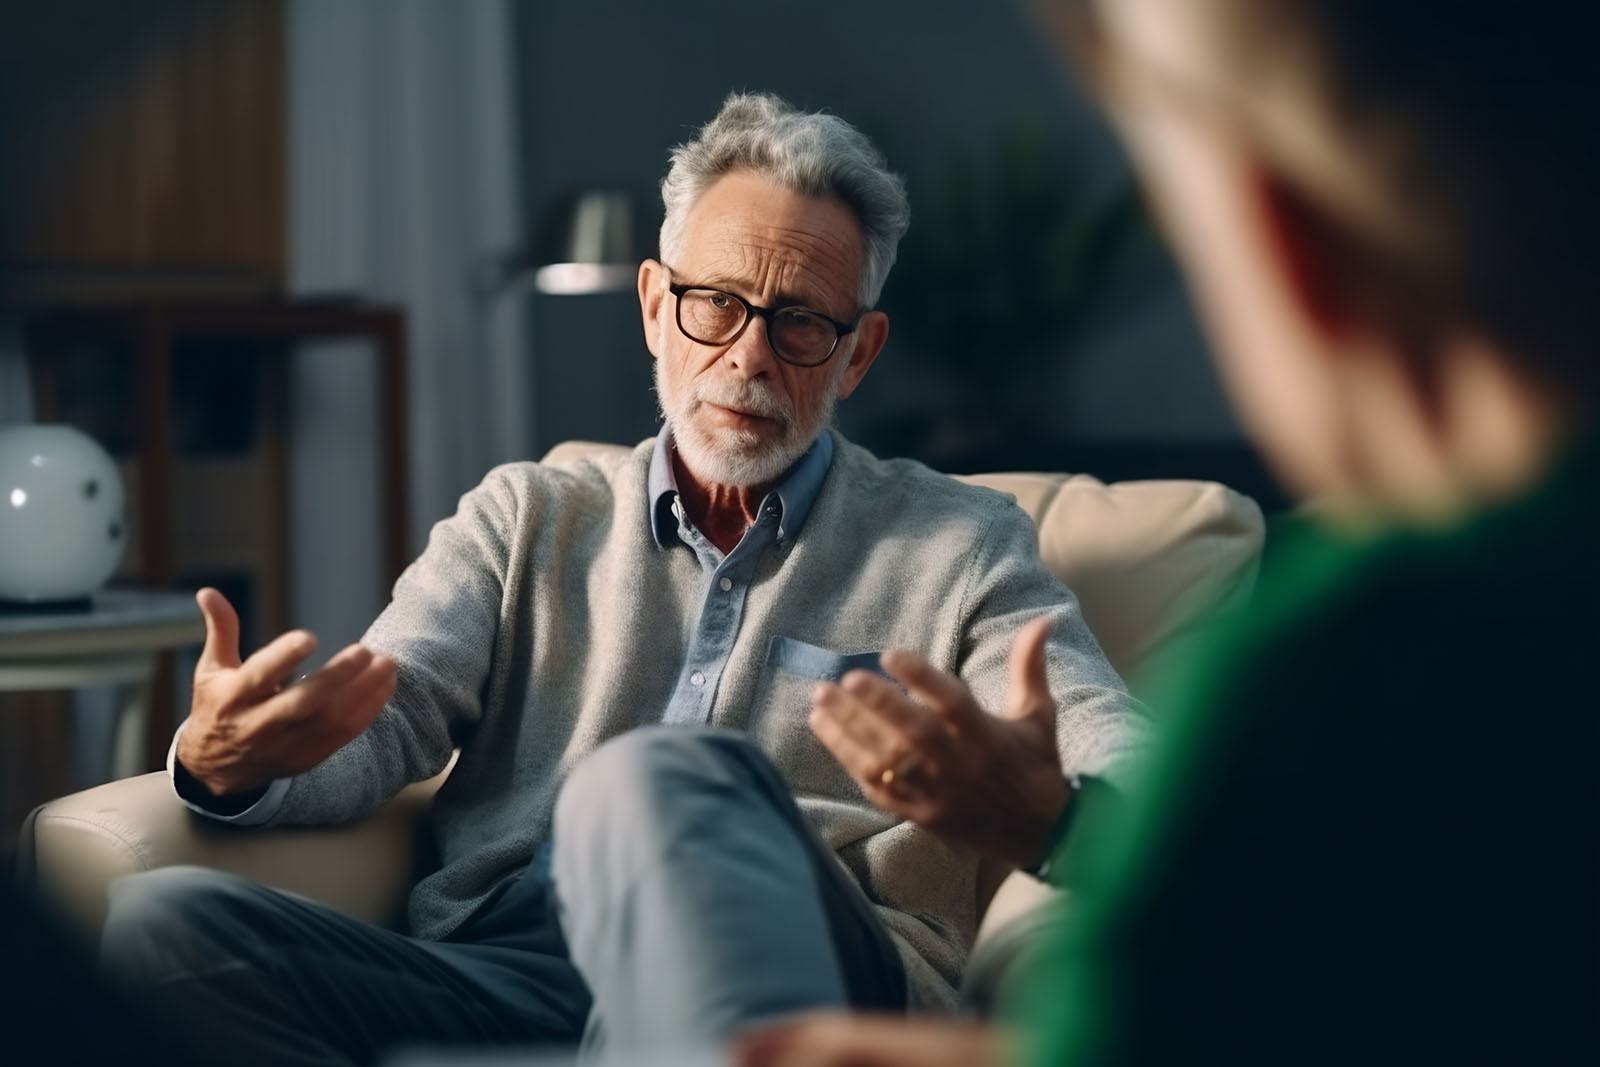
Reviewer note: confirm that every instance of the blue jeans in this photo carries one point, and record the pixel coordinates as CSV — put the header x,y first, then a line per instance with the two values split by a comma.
x,y
684,897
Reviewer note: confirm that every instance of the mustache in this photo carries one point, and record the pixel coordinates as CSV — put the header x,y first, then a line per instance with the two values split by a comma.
x,y
747,396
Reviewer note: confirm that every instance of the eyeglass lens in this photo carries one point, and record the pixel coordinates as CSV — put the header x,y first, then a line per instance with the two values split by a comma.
x,y
713,317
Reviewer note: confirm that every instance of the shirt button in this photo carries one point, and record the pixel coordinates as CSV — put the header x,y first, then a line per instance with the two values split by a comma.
x,y
697,679
725,584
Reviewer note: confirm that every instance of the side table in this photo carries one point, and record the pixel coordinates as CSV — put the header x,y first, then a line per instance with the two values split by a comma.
x,y
116,641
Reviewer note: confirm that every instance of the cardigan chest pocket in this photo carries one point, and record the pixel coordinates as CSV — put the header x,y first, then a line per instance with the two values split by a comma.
x,y
779,722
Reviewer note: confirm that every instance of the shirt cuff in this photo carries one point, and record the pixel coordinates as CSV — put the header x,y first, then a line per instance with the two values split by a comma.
x,y
256,814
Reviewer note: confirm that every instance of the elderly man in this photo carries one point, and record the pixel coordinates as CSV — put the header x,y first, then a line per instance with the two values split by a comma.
x,y
679,806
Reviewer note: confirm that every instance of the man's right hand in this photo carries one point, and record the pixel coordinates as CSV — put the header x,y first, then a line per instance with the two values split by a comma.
x,y
247,728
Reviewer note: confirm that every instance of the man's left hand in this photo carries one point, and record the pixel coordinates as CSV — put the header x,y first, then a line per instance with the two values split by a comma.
x,y
990,782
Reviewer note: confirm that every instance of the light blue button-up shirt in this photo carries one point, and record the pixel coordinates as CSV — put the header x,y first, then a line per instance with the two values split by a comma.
x,y
782,514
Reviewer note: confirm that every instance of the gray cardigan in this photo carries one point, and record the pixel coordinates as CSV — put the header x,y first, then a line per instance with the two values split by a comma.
x,y
543,618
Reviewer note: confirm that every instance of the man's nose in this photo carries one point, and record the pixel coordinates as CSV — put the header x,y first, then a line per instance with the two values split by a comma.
x,y
751,353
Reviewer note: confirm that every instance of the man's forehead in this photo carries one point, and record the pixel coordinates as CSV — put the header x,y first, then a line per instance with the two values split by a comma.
x,y
773,242
774,269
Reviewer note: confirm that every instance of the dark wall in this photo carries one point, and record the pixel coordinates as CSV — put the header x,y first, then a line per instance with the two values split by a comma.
x,y
610,86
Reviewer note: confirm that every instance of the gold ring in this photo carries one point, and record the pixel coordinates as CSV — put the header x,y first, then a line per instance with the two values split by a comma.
x,y
899,772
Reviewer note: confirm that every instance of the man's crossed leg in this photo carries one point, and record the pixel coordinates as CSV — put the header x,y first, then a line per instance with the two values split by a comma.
x,y
684,897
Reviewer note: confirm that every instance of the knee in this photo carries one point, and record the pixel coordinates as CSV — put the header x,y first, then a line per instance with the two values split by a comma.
x,y
641,785
629,777
155,918
642,792
166,897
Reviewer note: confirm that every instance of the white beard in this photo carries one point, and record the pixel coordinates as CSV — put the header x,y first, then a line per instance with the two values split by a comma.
x,y
737,457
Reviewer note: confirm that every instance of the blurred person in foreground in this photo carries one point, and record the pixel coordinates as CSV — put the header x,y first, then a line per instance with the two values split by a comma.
x,y
1369,834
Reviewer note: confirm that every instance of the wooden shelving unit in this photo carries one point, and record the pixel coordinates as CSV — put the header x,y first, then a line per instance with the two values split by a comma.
x,y
207,502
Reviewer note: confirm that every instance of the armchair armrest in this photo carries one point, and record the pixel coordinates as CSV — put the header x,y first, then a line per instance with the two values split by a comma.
x,y
1014,927
72,849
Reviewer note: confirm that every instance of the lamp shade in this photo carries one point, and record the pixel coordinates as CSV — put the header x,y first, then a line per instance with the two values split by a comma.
x,y
590,245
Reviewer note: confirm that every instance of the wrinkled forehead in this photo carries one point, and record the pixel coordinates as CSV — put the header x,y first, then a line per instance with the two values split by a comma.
x,y
773,246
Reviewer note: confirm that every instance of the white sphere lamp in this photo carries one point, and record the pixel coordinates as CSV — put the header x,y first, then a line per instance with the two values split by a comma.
x,y
62,522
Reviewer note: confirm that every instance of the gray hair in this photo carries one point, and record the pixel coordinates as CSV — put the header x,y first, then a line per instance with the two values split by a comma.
x,y
814,154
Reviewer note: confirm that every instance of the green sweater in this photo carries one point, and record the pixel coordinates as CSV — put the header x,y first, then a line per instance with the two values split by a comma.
x,y
1369,830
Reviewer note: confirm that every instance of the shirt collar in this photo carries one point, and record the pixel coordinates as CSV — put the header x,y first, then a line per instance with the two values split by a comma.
x,y
795,492
663,490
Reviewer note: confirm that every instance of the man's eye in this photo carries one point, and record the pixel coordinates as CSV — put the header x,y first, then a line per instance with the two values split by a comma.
x,y
721,301
804,317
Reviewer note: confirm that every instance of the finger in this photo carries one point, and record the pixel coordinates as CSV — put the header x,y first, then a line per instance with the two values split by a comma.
x,y
910,726
362,703
792,1041
349,662
350,718
906,801
764,1047
305,732
260,674
221,651
1029,693
939,690
330,702
858,721
830,709
838,1040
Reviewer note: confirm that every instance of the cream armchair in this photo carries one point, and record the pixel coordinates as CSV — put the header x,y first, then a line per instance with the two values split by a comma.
x,y
1147,560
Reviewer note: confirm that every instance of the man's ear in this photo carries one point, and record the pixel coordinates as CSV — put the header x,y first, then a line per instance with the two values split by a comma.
x,y
652,301
1333,279
871,333
1350,295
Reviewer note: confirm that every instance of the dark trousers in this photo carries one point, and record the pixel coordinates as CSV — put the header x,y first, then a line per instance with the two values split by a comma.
x,y
683,898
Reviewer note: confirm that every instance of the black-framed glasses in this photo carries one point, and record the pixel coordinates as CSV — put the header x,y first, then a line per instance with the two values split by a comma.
x,y
799,335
